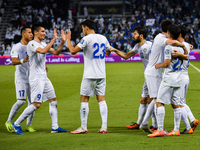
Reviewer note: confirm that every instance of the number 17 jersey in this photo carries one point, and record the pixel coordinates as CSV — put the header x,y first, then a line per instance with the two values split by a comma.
x,y
94,47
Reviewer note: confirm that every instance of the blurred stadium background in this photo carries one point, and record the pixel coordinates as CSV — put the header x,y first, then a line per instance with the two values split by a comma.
x,y
115,19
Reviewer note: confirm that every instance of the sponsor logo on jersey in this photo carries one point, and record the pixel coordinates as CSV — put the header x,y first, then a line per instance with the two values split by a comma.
x,y
144,50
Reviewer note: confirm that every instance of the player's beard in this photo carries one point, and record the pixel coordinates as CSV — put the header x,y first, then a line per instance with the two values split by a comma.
x,y
137,40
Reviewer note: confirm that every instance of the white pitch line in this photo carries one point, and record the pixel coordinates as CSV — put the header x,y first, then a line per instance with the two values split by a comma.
x,y
194,67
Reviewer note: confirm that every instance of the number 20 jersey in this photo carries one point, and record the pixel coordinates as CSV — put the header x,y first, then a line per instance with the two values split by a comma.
x,y
94,47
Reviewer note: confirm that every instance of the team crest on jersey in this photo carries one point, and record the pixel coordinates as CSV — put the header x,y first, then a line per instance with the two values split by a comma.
x,y
32,45
144,50
167,51
13,52
82,41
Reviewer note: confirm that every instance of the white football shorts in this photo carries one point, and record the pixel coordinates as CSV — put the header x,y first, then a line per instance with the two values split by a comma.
x,y
145,91
183,90
169,95
89,87
22,90
153,84
42,91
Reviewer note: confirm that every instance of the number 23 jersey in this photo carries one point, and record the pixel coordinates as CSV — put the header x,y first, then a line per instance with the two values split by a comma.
x,y
171,76
94,47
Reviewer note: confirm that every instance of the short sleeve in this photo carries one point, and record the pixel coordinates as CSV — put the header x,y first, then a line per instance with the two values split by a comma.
x,y
14,51
33,46
83,43
135,48
167,52
107,46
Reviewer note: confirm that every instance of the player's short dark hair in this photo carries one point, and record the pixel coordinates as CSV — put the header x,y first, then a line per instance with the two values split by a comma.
x,y
184,31
23,29
174,31
89,23
36,27
141,30
165,25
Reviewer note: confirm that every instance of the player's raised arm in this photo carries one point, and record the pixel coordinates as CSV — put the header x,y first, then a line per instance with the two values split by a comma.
x,y
122,54
177,43
73,50
47,48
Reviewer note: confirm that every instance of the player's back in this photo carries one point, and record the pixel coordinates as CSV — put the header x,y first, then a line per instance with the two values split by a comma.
x,y
37,61
94,46
22,71
156,55
172,73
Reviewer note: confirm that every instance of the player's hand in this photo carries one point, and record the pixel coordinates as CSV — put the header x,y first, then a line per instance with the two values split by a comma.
x,y
158,65
46,67
55,34
26,58
68,35
191,46
107,52
63,35
175,53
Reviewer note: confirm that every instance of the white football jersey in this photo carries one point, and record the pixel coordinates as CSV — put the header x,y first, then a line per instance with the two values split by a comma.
x,y
94,47
37,61
143,52
171,76
156,55
184,72
22,70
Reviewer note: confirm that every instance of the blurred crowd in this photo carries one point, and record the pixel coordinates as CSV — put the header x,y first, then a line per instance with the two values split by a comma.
x,y
53,14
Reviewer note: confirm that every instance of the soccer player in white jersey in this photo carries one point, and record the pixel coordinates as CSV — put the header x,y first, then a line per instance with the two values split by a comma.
x,y
20,60
94,77
143,48
153,76
41,87
169,90
186,112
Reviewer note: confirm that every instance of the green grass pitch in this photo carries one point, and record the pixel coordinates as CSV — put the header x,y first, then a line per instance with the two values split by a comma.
x,y
123,91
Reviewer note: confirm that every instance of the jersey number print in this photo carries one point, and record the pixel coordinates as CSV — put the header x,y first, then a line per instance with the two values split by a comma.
x,y
97,49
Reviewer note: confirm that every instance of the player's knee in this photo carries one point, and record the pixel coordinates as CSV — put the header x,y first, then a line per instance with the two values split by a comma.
x,y
143,100
37,105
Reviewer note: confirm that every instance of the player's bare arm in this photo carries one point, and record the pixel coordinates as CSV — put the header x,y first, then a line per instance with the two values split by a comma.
x,y
16,61
165,64
177,43
60,47
181,56
73,50
48,47
122,54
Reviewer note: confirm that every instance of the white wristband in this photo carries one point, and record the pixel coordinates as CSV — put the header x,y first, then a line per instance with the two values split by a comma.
x,y
21,61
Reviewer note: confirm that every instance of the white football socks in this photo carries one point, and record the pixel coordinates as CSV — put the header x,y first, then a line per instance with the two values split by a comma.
x,y
177,118
84,114
30,117
154,121
141,113
160,115
189,113
54,114
30,109
149,112
104,113
185,118
14,110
